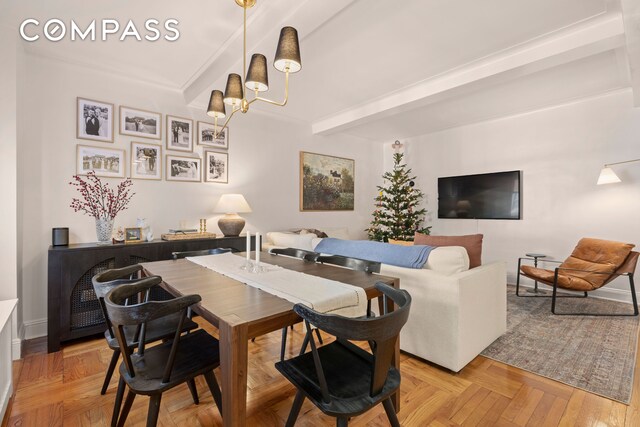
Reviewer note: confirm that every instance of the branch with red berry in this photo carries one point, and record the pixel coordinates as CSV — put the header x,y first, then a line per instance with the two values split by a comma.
x,y
98,199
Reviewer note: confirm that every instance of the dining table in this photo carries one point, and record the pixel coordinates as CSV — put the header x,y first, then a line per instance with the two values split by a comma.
x,y
241,312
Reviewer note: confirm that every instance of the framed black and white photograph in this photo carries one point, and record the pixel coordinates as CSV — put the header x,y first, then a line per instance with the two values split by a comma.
x,y
141,123
94,120
146,161
207,135
216,167
107,162
185,169
179,134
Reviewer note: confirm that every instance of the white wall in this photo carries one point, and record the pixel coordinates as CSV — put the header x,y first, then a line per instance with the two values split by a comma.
x,y
264,166
9,52
560,151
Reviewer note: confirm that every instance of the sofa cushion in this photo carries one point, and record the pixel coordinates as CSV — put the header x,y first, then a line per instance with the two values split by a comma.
x,y
472,243
448,260
337,233
291,240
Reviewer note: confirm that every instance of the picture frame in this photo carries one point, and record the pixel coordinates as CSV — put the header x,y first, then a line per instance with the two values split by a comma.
x,y
146,161
327,183
184,169
179,135
94,120
140,123
105,162
133,235
205,136
216,167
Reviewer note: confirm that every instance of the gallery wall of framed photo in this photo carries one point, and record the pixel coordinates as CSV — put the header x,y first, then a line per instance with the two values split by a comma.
x,y
184,139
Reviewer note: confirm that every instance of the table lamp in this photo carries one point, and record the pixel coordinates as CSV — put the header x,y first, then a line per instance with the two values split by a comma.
x,y
231,224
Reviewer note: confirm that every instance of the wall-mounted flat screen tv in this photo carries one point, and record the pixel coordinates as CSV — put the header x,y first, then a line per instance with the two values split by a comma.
x,y
483,196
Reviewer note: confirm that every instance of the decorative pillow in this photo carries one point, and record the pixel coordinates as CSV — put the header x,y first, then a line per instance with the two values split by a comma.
x,y
472,243
448,260
400,242
291,240
318,233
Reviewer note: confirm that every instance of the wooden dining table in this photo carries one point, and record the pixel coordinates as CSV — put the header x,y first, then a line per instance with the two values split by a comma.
x,y
241,312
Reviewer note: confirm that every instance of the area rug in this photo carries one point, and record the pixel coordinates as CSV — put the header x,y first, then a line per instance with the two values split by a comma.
x,y
596,354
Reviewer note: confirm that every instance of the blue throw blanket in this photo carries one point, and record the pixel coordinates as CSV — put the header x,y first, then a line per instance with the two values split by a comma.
x,y
386,253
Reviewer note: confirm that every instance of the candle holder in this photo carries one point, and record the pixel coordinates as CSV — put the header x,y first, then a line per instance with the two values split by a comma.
x,y
253,267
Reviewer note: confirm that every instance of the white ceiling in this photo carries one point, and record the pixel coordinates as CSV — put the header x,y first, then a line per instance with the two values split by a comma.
x,y
377,69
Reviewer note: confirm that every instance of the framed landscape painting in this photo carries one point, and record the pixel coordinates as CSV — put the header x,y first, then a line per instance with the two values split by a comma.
x,y
94,120
216,167
179,134
146,161
326,182
107,162
145,124
206,133
186,169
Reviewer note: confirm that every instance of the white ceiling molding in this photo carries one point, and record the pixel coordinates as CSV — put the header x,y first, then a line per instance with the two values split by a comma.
x,y
631,16
262,36
593,36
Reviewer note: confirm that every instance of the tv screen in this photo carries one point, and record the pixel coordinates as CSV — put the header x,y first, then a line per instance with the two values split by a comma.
x,y
484,196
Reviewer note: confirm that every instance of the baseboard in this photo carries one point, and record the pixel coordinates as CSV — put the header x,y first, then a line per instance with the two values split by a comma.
x,y
613,294
35,329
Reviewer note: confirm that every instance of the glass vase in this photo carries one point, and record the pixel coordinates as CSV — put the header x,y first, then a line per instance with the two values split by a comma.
x,y
104,229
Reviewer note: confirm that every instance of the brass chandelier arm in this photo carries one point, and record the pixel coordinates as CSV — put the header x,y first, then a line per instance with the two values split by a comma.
x,y
216,131
269,101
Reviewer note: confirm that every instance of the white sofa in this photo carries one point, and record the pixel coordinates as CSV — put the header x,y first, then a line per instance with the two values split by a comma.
x,y
456,312
453,316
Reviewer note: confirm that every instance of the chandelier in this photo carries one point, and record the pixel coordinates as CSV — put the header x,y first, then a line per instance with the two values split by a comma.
x,y
287,60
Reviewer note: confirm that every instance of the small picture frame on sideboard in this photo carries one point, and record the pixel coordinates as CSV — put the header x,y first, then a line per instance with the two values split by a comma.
x,y
133,235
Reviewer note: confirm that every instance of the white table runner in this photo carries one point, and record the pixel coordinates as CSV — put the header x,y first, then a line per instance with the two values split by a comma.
x,y
323,295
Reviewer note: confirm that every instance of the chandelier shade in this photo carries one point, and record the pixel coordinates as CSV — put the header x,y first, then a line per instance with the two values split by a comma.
x,y
257,78
234,93
288,51
216,105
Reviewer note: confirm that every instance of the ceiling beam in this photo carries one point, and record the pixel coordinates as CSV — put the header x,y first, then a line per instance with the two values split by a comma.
x,y
631,17
263,28
601,33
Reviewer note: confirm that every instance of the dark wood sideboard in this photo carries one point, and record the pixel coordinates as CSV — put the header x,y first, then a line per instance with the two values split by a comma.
x,y
73,310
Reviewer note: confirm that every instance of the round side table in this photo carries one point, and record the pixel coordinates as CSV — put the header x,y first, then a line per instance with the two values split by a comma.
x,y
535,257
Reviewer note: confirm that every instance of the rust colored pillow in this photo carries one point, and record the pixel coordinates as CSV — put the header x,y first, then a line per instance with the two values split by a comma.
x,y
472,243
400,242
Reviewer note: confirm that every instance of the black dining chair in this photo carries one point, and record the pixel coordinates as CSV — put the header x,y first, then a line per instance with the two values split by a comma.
x,y
352,264
154,370
340,378
214,251
306,256
159,329
296,253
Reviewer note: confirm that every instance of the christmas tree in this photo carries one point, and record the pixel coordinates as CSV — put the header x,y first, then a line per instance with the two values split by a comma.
x,y
397,215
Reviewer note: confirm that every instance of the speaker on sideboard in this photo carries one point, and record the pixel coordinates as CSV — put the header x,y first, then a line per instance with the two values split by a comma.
x,y
60,236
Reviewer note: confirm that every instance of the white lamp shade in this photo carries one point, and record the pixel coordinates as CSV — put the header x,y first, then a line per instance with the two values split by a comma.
x,y
232,203
607,176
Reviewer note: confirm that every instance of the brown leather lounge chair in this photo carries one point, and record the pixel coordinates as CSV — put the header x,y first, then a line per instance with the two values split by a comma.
x,y
592,264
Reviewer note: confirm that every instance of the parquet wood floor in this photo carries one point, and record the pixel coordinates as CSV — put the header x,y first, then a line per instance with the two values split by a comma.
x,y
63,389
